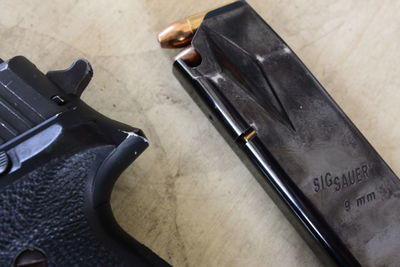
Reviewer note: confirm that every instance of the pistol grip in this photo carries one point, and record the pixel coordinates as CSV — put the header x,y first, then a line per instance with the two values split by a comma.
x,y
55,190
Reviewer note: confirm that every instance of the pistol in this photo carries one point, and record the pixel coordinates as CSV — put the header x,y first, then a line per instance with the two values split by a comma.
x,y
306,153
59,160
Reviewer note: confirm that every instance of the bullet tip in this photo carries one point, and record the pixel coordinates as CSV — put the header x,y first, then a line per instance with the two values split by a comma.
x,y
177,35
190,56
180,34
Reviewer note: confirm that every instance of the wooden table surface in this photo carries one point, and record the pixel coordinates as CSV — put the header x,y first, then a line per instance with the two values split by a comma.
x,y
189,198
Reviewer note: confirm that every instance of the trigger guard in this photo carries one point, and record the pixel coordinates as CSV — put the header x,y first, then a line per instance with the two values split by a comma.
x,y
112,167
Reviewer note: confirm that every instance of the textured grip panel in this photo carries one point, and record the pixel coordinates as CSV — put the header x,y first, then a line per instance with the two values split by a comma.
x,y
45,209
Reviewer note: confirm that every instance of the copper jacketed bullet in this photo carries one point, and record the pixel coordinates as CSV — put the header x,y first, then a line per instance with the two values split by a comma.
x,y
180,33
190,56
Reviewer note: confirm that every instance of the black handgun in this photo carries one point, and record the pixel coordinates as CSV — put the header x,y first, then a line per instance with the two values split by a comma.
x,y
312,160
59,160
